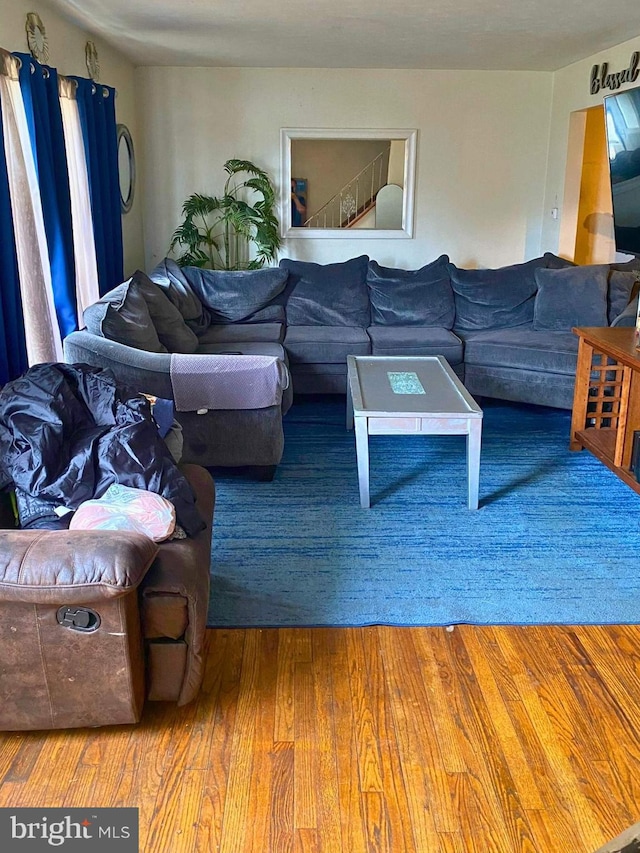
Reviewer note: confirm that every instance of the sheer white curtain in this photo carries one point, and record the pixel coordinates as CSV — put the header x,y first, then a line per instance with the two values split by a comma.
x,y
83,242
41,325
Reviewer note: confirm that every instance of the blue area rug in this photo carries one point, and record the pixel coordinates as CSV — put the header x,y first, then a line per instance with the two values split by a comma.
x,y
555,539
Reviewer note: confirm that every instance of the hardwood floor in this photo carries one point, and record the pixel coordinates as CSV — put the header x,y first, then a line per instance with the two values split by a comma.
x,y
479,740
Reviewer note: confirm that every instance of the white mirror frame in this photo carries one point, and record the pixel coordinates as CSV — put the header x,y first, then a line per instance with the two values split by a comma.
x,y
126,197
288,134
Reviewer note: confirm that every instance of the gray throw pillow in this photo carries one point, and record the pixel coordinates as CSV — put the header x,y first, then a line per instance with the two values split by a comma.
x,y
122,315
411,297
327,294
495,298
555,262
575,296
170,277
627,266
621,286
169,323
272,313
233,295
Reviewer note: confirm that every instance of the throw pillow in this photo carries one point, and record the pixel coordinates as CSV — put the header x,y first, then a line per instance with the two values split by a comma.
x,y
327,294
628,266
576,296
620,291
494,298
411,297
170,277
173,332
272,313
233,295
554,262
122,315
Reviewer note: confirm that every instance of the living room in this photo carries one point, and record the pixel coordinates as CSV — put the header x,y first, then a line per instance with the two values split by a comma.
x,y
492,178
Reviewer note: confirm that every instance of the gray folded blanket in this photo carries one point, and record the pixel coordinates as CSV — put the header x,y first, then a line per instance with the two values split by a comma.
x,y
227,381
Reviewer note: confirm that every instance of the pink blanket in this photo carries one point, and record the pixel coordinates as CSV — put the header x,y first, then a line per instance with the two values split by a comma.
x,y
227,381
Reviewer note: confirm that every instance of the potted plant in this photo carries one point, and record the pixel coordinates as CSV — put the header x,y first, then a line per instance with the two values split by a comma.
x,y
219,231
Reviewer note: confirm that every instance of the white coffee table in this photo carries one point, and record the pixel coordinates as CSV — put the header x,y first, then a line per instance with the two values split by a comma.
x,y
398,395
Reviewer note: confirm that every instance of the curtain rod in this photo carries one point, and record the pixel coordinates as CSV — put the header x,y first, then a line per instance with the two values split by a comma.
x,y
6,54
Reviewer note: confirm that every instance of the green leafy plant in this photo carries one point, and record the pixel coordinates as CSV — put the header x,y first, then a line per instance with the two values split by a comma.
x,y
218,232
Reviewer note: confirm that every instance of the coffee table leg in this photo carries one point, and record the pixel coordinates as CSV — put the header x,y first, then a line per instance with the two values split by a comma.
x,y
474,440
349,409
362,455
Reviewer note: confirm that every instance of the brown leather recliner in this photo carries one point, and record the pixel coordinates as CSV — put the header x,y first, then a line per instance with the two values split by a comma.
x,y
94,622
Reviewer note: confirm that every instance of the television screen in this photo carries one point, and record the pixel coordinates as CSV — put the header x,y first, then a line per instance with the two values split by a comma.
x,y
622,112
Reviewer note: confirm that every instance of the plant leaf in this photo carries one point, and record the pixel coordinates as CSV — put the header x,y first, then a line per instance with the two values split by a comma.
x,y
213,225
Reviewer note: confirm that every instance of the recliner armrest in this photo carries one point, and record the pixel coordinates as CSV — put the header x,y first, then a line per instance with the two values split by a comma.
x,y
71,567
182,568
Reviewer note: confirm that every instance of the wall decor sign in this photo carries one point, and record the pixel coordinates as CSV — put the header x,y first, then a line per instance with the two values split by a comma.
x,y
602,78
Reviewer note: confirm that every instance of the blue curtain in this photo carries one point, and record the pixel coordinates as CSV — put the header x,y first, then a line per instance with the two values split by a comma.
x,y
96,105
13,349
39,86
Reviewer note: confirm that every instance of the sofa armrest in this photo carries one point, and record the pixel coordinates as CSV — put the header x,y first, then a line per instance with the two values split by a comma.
x,y
227,381
150,372
147,372
71,567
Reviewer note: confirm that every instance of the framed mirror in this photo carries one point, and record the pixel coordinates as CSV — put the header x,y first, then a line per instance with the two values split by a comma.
x,y
126,168
347,183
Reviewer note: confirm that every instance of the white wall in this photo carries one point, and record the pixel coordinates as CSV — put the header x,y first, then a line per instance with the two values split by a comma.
x,y
492,146
66,49
571,92
482,150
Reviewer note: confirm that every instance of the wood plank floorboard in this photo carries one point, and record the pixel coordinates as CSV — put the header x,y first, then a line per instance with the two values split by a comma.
x,y
369,740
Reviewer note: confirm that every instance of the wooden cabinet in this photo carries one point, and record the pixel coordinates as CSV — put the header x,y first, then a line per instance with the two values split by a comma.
x,y
606,402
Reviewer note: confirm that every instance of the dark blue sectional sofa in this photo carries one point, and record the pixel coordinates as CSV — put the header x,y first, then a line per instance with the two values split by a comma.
x,y
506,332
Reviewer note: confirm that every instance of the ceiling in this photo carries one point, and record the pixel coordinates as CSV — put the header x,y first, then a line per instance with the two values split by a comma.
x,y
535,35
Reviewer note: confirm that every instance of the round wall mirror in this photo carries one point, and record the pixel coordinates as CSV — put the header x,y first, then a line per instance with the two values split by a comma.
x,y
126,168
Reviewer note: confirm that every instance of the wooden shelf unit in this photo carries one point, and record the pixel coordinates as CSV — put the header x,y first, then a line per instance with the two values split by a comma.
x,y
606,402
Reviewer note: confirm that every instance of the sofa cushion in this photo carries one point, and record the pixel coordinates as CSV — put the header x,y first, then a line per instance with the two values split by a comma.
x,y
327,294
245,348
522,348
312,368
628,317
627,266
413,340
272,313
620,291
170,325
126,321
170,277
411,297
243,332
575,296
325,344
233,295
122,315
494,298
554,262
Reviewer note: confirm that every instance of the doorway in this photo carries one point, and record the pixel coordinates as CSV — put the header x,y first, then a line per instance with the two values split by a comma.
x,y
586,233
